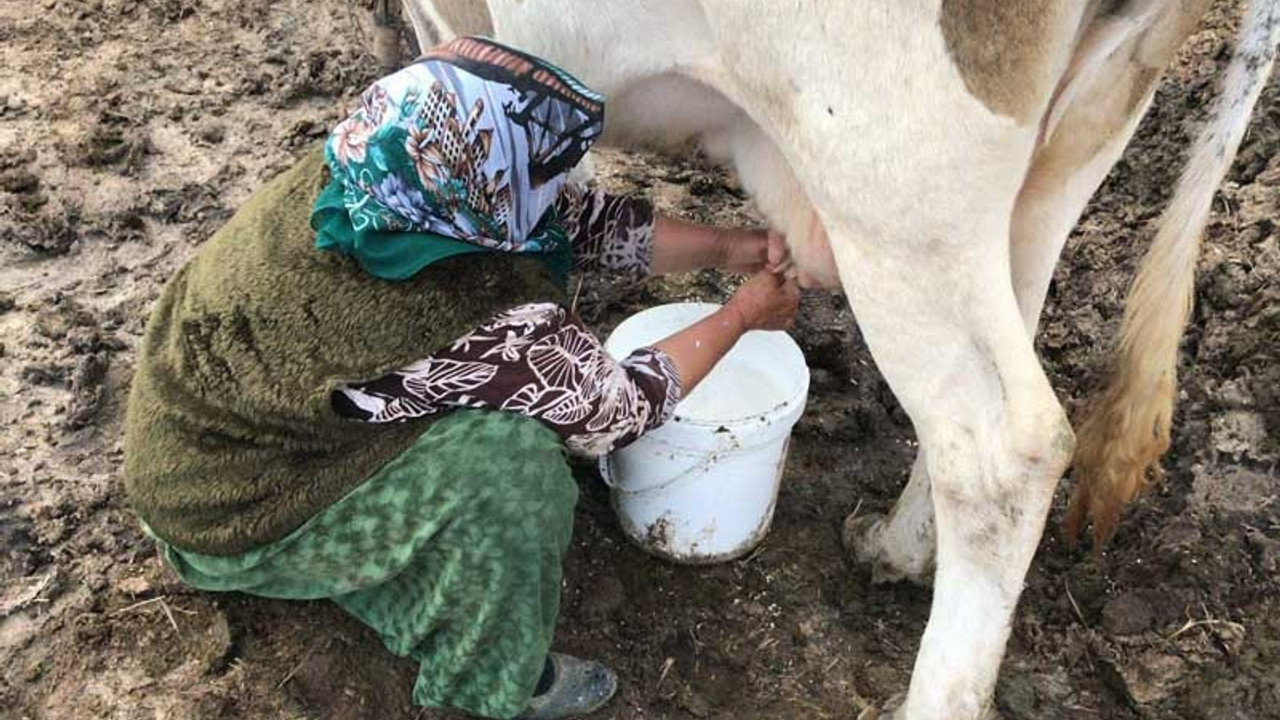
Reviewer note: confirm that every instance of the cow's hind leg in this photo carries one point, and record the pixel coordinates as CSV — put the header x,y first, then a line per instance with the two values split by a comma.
x,y
1064,174
1111,84
942,321
1090,128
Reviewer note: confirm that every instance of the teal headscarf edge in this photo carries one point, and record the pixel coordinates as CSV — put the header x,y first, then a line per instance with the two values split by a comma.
x,y
398,256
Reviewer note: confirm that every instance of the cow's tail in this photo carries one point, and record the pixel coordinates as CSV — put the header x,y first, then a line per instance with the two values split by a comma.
x,y
1126,429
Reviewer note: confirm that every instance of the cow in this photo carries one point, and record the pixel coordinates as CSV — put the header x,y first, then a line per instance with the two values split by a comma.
x,y
930,157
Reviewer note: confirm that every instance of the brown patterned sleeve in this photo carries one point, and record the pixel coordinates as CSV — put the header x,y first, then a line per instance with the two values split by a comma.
x,y
537,360
608,232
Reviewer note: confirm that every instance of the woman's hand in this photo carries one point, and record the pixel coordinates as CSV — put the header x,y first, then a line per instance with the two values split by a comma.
x,y
768,301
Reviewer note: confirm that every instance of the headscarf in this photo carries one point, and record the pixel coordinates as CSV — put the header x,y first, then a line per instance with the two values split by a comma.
x,y
464,151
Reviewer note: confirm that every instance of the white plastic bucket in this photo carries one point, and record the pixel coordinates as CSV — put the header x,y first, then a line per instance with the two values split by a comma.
x,y
702,487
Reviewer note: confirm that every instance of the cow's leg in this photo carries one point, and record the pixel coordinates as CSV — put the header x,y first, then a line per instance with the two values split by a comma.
x,y
1066,173
1063,176
942,321
1090,130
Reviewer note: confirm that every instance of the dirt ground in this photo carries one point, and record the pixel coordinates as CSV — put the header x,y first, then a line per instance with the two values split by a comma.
x,y
130,129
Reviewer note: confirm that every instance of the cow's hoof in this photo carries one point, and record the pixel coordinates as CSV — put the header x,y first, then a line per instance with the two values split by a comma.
x,y
891,709
864,540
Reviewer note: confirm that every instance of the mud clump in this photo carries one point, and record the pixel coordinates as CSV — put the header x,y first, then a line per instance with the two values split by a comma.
x,y
1128,614
107,145
19,181
659,537
43,373
19,558
87,388
58,317
28,217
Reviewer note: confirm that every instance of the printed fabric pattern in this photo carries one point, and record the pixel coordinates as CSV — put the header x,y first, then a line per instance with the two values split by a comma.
x,y
608,232
472,142
536,360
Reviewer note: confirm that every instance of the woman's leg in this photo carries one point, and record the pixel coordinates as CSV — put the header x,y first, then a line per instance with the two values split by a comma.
x,y
452,553
476,603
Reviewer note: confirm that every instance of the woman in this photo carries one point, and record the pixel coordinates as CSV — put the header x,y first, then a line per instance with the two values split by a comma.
x,y
363,386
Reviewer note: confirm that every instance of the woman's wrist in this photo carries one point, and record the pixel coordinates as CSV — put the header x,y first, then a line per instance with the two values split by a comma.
x,y
680,246
732,315
740,250
720,249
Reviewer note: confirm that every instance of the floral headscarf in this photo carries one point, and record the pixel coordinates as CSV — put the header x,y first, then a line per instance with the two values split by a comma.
x,y
463,151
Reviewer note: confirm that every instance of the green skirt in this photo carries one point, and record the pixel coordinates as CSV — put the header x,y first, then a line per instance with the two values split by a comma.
x,y
452,553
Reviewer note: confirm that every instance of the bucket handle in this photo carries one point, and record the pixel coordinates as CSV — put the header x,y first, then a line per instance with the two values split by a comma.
x,y
606,473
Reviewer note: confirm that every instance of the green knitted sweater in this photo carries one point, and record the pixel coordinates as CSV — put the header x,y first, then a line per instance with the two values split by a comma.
x,y
230,438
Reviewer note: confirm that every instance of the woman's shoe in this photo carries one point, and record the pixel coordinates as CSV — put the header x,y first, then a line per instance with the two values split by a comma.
x,y
578,688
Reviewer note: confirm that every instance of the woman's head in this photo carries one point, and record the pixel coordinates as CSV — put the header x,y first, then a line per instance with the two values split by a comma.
x,y
472,142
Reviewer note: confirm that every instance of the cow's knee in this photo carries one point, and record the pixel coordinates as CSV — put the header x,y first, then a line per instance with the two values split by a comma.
x,y
993,483
1043,445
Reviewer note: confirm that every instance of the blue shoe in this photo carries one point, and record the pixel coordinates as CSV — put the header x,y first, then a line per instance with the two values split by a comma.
x,y
578,688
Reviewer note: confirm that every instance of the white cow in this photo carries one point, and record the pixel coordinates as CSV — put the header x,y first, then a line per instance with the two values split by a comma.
x,y
946,148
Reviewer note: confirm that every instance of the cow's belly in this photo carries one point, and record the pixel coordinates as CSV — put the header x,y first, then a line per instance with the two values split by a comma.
x,y
667,113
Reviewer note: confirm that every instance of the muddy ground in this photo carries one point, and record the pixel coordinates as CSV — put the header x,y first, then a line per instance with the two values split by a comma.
x,y
130,129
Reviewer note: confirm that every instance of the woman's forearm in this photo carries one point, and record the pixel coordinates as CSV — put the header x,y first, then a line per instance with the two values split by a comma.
x,y
680,246
697,348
